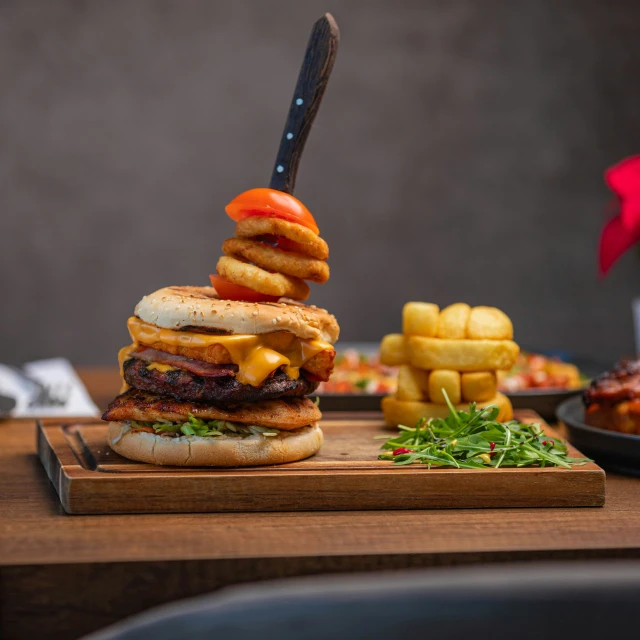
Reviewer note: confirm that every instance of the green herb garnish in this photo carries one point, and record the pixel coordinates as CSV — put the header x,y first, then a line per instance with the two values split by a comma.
x,y
207,428
475,440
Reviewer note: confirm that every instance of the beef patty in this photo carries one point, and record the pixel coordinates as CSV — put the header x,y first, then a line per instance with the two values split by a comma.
x,y
184,385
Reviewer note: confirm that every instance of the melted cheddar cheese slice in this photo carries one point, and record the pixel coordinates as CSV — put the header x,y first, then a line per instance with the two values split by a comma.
x,y
257,356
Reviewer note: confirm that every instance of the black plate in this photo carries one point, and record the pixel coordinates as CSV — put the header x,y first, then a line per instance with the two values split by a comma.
x,y
546,401
542,401
612,450
350,401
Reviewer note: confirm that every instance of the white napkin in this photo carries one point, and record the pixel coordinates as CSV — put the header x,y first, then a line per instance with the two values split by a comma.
x,y
56,374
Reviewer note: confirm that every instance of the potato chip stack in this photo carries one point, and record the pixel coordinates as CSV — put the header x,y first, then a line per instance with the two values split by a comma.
x,y
457,350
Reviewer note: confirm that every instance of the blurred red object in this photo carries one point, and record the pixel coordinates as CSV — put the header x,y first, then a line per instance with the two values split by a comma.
x,y
623,231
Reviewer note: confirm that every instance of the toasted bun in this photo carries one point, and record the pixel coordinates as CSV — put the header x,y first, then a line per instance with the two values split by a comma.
x,y
200,307
221,451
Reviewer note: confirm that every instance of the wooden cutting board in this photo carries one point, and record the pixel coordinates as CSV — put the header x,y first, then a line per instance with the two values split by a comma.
x,y
90,478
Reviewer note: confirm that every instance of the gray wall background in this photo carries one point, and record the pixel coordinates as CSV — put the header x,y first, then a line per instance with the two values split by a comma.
x,y
458,155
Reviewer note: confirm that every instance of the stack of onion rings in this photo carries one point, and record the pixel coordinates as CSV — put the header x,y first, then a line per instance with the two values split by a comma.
x,y
256,259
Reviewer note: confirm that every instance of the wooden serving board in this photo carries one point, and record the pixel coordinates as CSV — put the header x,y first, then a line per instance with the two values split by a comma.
x,y
90,478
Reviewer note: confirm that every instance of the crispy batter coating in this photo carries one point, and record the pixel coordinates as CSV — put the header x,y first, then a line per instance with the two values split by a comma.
x,y
274,259
310,244
256,278
319,366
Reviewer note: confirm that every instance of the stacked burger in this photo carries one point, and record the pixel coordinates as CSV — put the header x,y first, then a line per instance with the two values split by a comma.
x,y
218,376
450,354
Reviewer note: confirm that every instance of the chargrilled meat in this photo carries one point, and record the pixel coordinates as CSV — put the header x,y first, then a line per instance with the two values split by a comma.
x,y
620,384
224,389
285,414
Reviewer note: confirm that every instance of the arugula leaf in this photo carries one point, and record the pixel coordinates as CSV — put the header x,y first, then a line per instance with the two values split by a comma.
x,y
476,440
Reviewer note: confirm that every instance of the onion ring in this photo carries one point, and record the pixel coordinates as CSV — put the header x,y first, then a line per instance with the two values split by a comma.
x,y
274,259
272,284
310,244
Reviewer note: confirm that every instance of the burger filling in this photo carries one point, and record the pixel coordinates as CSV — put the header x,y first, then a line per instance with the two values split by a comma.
x,y
285,414
203,428
223,387
255,356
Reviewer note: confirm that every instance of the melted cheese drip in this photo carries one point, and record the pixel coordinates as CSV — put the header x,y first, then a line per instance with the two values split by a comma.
x,y
160,367
123,355
257,356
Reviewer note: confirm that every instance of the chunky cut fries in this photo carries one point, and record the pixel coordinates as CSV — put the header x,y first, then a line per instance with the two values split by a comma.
x,y
420,319
452,323
413,384
393,350
441,381
409,412
479,386
462,355
489,323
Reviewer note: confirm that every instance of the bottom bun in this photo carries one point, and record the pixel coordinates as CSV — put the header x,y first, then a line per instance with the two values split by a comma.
x,y
220,451
408,412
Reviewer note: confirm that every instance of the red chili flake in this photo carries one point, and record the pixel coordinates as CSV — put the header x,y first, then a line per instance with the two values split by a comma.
x,y
492,445
546,442
401,450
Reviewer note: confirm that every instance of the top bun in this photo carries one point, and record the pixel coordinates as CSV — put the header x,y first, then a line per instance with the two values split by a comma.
x,y
201,308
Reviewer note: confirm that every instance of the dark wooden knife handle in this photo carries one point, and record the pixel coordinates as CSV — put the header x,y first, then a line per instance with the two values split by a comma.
x,y
312,82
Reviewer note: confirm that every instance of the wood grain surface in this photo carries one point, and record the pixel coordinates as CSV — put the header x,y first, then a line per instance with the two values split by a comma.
x,y
90,478
62,576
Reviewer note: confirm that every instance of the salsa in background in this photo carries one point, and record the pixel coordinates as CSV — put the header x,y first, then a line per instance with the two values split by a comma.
x,y
358,371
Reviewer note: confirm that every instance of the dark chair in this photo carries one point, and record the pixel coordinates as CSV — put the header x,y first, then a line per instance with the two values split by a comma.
x,y
526,601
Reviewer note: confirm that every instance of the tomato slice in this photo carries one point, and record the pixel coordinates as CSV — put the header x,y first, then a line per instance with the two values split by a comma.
x,y
230,291
270,202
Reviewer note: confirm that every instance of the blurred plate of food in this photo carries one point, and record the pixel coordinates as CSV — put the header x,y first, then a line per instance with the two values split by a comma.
x,y
537,381
359,381
543,380
605,420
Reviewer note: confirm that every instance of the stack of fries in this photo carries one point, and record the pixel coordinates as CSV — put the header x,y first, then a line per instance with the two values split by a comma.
x,y
457,350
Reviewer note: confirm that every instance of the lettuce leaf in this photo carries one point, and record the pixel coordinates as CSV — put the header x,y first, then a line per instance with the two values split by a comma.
x,y
207,428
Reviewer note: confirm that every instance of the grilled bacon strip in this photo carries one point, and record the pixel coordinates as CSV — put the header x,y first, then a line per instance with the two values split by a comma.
x,y
620,384
197,367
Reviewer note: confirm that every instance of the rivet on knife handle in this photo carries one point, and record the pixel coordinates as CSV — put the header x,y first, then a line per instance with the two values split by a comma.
x,y
312,82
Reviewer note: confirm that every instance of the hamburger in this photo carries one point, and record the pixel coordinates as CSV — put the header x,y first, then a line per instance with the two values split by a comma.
x,y
210,381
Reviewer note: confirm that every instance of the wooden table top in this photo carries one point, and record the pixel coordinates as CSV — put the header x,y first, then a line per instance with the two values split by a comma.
x,y
34,530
